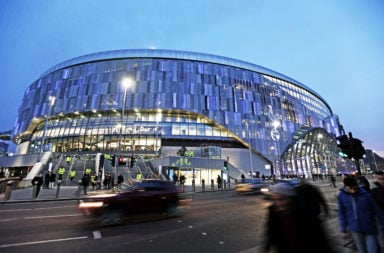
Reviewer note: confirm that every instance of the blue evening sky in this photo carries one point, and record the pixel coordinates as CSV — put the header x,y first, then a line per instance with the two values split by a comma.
x,y
336,47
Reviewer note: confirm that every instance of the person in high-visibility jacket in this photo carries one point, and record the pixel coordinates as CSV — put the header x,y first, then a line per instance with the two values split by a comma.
x,y
61,172
72,174
88,171
139,176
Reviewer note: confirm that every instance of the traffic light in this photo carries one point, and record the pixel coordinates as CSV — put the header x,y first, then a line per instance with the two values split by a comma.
x,y
345,146
133,161
351,147
225,165
358,148
121,160
113,160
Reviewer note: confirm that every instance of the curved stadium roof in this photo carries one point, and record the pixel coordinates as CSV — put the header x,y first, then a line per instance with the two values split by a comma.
x,y
176,54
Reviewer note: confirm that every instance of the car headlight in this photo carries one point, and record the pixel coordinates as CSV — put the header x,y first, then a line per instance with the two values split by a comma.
x,y
91,204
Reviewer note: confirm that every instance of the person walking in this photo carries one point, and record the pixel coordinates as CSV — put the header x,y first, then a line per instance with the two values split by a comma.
x,y
377,190
37,182
72,174
120,180
52,180
311,199
46,180
219,182
362,181
288,225
85,182
333,180
93,180
61,172
358,215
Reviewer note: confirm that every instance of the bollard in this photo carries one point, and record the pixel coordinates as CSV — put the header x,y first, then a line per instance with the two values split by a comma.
x,y
203,185
193,185
58,189
34,190
79,189
212,185
8,190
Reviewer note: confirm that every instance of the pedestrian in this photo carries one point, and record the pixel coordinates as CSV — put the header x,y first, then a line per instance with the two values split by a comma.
x,y
358,214
85,182
46,180
378,190
311,199
61,172
37,182
93,180
288,225
175,178
52,180
72,174
219,182
242,178
108,180
139,176
182,180
120,180
362,181
333,181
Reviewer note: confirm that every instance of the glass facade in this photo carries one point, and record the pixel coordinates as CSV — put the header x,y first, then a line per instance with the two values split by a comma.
x,y
173,95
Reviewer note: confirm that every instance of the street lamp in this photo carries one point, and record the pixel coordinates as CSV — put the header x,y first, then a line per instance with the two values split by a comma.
x,y
126,83
275,135
374,159
158,118
51,103
249,147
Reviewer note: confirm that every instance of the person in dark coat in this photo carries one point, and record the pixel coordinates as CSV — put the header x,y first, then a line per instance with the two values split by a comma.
x,y
120,180
37,182
362,181
46,180
289,229
378,190
85,182
311,199
358,215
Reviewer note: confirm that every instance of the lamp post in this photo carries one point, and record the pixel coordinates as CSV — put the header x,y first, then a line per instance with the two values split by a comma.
x,y
51,103
126,83
158,118
275,135
249,147
374,160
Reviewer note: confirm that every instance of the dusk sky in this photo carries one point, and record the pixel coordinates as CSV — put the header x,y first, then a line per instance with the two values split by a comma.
x,y
335,47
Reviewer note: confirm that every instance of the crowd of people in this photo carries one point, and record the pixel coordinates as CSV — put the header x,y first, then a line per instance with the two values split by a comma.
x,y
296,214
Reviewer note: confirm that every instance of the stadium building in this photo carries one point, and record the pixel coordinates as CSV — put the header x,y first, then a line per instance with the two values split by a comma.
x,y
178,112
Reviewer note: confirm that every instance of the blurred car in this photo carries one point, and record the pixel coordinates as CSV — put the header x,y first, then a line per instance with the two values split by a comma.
x,y
147,196
252,185
292,181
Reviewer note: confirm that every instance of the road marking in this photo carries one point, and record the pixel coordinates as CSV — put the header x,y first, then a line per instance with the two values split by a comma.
x,y
96,235
9,219
41,242
51,216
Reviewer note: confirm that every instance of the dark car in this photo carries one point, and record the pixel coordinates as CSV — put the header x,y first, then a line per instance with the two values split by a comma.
x,y
252,185
147,196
